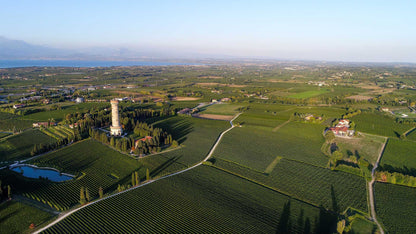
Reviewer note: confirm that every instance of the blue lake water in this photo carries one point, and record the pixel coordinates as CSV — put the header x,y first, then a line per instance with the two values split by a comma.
x,y
82,63
32,172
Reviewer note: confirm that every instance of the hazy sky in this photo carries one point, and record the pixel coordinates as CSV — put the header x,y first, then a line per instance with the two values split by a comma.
x,y
365,30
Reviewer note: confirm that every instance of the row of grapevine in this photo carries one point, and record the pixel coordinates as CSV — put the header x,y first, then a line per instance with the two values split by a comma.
x,y
201,200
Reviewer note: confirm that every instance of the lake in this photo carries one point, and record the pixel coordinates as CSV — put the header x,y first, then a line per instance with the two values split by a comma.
x,y
82,63
35,172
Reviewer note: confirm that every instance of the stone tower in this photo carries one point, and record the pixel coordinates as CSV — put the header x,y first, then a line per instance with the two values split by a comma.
x,y
115,122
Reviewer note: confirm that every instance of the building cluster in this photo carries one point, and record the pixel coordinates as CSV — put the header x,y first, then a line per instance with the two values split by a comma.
x,y
342,128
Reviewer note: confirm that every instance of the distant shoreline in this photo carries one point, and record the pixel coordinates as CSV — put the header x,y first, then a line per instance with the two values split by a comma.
x,y
85,63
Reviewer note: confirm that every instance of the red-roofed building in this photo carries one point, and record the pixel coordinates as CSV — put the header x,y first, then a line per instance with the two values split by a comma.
x,y
142,139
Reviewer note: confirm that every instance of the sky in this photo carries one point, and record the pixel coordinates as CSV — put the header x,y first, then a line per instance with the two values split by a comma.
x,y
365,30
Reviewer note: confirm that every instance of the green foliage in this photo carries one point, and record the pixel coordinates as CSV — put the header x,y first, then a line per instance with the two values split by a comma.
x,y
395,207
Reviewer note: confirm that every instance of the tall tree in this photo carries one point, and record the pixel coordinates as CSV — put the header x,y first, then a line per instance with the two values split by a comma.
x,y
147,174
82,200
136,175
133,179
87,195
9,192
100,192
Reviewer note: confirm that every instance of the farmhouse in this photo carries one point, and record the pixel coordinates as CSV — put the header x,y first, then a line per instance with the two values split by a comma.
x,y
17,106
342,128
44,124
144,139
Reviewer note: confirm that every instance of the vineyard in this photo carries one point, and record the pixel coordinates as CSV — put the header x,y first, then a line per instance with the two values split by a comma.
x,y
18,147
94,164
196,136
400,154
16,217
395,207
59,132
384,126
254,146
201,200
308,183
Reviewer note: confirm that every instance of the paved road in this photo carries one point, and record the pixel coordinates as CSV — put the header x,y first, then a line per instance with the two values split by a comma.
x,y
371,188
66,214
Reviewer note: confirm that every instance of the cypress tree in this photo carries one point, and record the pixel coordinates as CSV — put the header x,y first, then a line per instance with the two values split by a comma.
x,y
87,195
9,192
136,174
100,192
133,179
147,174
82,200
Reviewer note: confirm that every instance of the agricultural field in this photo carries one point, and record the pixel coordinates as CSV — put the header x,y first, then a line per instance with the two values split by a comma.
x,y
365,145
395,207
201,200
379,124
4,134
360,225
97,165
308,94
16,217
400,154
11,122
18,147
307,183
59,115
94,164
196,137
257,148
411,135
222,109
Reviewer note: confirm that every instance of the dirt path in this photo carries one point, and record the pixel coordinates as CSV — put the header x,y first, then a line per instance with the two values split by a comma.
x,y
371,188
66,214
281,125
408,131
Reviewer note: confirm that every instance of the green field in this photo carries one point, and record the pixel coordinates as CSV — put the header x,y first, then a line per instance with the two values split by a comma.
x,y
379,124
308,94
365,146
411,135
18,147
4,134
257,147
363,226
14,123
222,109
59,115
98,165
201,200
95,164
395,207
400,154
16,217
196,136
308,183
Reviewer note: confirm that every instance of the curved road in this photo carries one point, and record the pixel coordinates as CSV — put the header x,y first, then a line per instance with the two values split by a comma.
x,y
64,215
